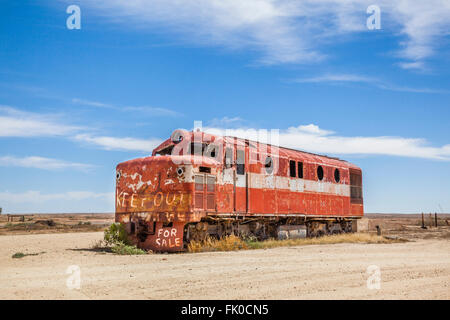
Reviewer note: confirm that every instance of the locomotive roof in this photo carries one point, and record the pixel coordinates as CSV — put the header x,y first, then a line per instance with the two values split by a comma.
x,y
283,151
294,153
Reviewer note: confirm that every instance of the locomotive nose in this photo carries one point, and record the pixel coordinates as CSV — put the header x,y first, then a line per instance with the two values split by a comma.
x,y
152,184
153,201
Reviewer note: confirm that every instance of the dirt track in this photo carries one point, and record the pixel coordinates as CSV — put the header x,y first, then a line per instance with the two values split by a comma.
x,y
413,270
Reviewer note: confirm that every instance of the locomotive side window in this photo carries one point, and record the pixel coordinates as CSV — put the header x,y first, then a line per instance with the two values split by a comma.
x,y
292,168
228,157
337,175
355,187
300,169
269,165
320,173
240,162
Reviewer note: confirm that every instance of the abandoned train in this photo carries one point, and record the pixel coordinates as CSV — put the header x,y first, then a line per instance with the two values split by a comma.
x,y
197,185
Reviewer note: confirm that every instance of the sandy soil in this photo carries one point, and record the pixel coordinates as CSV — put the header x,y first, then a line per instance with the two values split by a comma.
x,y
411,270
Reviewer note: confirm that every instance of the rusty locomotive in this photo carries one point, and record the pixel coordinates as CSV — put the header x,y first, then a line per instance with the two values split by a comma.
x,y
197,185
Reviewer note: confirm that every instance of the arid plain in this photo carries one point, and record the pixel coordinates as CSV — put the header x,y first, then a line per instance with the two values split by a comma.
x,y
416,269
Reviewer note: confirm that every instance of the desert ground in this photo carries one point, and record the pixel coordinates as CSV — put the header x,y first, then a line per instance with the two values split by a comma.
x,y
416,269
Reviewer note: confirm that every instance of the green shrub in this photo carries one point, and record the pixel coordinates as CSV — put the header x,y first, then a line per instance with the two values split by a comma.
x,y
123,249
116,234
116,237
19,255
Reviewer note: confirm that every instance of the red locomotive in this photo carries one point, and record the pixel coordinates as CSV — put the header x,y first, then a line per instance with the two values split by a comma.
x,y
197,185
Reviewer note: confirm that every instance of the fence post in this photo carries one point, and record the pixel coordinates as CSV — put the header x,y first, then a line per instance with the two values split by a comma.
x,y
423,222
378,230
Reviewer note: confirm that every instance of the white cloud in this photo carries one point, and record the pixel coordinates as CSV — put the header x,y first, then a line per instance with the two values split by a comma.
x,y
38,197
120,144
336,78
16,123
225,121
286,31
37,202
315,130
142,110
311,138
423,22
152,111
92,103
42,163
354,78
419,65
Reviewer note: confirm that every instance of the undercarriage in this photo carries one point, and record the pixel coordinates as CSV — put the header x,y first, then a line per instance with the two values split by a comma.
x,y
265,228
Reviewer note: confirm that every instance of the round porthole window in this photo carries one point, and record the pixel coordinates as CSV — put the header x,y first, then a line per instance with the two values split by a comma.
x,y
337,175
320,173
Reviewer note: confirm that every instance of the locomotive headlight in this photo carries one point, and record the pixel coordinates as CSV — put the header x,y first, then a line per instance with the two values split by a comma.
x,y
178,135
180,171
118,175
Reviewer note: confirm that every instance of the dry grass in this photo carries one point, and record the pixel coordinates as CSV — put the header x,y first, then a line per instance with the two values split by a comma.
x,y
228,243
231,243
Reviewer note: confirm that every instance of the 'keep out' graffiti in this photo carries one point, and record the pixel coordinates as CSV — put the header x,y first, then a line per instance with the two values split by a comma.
x,y
148,201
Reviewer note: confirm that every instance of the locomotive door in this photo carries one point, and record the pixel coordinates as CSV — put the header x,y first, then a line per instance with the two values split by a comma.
x,y
240,182
205,192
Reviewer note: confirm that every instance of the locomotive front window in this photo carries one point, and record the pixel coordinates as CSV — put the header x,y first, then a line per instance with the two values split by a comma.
x,y
292,168
211,150
196,149
165,151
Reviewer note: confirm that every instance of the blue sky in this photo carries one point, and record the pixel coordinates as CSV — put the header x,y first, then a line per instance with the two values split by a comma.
x,y
74,103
